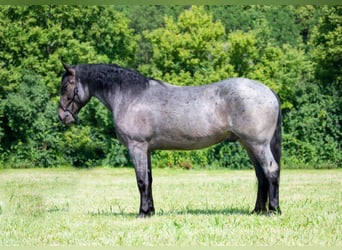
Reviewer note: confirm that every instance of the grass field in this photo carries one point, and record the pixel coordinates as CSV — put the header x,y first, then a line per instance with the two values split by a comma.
x,y
98,207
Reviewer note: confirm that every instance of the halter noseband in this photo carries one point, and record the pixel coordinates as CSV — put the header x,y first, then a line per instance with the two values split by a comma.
x,y
71,102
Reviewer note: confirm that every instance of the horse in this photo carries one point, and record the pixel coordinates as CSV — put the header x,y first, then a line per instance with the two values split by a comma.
x,y
150,114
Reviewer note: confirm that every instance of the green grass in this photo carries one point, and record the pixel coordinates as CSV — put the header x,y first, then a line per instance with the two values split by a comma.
x,y
40,207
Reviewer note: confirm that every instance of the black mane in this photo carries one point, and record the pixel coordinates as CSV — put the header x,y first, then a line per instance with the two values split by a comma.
x,y
107,76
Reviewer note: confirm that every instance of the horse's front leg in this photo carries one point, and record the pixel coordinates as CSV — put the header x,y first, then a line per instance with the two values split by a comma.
x,y
142,163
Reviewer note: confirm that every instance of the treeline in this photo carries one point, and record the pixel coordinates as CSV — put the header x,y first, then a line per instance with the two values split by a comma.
x,y
296,50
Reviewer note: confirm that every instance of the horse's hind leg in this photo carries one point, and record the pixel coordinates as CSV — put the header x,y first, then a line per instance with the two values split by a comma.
x,y
263,186
267,171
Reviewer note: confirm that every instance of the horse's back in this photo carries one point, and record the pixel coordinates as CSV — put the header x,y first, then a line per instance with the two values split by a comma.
x,y
245,88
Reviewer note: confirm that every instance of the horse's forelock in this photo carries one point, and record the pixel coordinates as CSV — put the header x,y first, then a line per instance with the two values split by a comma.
x,y
64,82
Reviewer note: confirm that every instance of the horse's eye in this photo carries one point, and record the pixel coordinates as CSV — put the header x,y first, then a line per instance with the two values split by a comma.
x,y
63,89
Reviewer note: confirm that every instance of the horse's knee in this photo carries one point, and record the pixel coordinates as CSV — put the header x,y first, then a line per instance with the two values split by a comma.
x,y
273,167
270,168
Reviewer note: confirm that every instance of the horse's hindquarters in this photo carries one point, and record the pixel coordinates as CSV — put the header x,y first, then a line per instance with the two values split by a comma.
x,y
252,111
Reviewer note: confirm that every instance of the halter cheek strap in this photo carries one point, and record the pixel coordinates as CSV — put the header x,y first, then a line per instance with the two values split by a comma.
x,y
71,102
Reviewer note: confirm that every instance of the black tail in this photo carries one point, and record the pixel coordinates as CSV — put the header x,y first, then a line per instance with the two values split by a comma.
x,y
276,139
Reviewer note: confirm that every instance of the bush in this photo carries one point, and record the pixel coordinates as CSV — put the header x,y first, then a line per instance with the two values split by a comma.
x,y
29,129
313,128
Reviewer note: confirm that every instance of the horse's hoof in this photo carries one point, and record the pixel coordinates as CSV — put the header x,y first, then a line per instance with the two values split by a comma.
x,y
142,216
272,212
145,215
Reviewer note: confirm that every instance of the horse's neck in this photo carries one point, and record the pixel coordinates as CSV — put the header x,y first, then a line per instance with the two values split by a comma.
x,y
106,97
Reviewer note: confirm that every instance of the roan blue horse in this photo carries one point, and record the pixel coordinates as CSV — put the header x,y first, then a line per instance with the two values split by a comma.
x,y
150,114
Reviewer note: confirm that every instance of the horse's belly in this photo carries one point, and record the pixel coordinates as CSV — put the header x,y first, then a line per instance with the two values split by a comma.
x,y
188,141
194,127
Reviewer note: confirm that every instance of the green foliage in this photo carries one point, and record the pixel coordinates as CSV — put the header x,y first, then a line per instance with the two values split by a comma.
x,y
190,51
274,25
328,46
29,127
39,36
293,49
145,18
243,51
224,155
281,68
313,129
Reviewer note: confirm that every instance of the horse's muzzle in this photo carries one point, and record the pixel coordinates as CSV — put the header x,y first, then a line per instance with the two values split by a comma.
x,y
65,117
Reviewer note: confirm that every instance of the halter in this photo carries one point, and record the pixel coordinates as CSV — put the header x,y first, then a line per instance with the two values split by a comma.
x,y
71,102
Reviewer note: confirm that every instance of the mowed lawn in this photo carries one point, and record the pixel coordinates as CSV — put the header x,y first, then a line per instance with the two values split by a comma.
x,y
98,207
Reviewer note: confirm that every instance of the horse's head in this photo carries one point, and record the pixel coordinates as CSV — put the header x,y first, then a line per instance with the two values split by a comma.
x,y
72,96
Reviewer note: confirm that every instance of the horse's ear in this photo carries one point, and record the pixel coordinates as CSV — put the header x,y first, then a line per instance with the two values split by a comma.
x,y
69,69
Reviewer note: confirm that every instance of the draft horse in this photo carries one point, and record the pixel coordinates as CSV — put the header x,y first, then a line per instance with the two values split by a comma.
x,y
153,115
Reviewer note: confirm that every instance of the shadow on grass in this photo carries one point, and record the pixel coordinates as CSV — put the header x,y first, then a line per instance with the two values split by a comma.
x,y
184,211
112,212
211,211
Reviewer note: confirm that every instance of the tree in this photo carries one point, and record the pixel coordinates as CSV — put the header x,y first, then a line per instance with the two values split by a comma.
x,y
145,18
33,40
307,17
327,40
273,25
189,51
243,51
31,128
37,37
313,128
